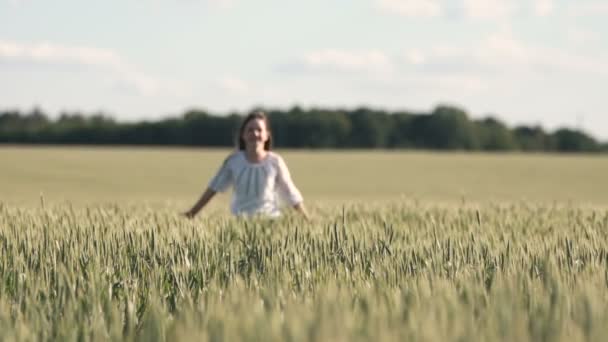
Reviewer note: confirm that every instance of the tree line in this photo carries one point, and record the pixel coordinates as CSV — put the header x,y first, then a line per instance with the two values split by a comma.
x,y
444,128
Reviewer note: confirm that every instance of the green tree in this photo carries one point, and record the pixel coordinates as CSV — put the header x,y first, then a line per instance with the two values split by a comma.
x,y
494,135
449,128
369,128
533,139
568,140
400,131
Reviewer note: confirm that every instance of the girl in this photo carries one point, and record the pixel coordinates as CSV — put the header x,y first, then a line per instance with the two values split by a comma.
x,y
258,175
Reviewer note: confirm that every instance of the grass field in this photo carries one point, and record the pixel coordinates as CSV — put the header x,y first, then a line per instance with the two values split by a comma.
x,y
401,247
165,176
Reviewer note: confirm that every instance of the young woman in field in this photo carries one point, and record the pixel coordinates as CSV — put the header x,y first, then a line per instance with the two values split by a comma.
x,y
259,176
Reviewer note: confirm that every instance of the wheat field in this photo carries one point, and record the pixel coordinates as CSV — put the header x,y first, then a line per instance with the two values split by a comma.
x,y
400,246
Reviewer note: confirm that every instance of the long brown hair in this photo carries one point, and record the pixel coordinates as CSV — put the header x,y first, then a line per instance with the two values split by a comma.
x,y
258,114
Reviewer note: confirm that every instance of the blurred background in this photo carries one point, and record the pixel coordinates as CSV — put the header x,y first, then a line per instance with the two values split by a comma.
x,y
433,75
532,62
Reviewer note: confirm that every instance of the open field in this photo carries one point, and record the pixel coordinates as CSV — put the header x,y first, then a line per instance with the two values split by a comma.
x,y
401,246
177,176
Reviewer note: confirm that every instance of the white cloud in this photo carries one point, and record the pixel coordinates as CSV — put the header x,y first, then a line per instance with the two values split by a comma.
x,y
53,53
543,7
464,69
499,57
233,84
18,2
223,3
219,4
50,54
346,61
470,9
504,47
502,53
509,51
415,57
588,8
440,82
489,9
411,8
580,36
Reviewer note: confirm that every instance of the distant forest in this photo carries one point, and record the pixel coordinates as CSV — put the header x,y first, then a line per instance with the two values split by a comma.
x,y
445,128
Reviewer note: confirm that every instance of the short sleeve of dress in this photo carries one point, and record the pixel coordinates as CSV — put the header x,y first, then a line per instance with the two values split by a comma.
x,y
223,178
287,188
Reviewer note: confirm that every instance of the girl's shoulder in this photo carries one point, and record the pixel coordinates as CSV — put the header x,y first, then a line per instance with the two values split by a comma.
x,y
274,157
232,158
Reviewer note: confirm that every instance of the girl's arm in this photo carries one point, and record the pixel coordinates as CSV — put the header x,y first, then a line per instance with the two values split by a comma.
x,y
302,209
221,182
201,203
289,190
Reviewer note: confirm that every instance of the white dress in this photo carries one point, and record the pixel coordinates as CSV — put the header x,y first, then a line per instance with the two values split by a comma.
x,y
258,187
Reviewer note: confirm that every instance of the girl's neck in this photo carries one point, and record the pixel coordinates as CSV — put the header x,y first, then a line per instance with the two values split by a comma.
x,y
255,155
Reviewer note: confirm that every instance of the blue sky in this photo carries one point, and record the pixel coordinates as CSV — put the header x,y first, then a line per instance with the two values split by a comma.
x,y
523,61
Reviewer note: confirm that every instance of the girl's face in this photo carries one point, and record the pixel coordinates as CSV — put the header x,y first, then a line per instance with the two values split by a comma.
x,y
255,133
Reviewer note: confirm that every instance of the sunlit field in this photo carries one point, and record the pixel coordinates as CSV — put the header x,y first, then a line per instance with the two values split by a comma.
x,y
401,246
166,177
